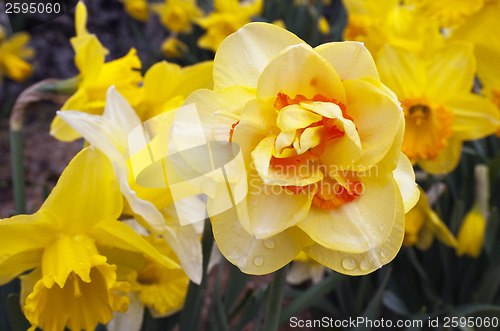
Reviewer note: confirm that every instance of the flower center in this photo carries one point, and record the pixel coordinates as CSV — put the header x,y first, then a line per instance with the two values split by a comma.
x,y
304,134
427,129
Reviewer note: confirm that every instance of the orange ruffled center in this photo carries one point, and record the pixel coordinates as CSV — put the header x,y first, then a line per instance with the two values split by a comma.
x,y
427,130
329,192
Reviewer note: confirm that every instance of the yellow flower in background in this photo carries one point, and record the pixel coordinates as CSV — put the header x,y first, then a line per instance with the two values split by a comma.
x,y
471,234
138,9
422,224
376,23
95,76
177,15
448,13
173,47
321,137
151,207
227,18
304,268
323,25
14,52
70,243
440,109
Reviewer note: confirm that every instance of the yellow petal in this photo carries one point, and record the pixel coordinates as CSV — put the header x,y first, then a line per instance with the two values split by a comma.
x,y
451,71
252,255
59,128
376,117
405,178
350,59
447,159
89,57
364,262
474,117
403,72
440,230
79,202
121,236
273,209
242,56
362,224
81,19
300,70
294,117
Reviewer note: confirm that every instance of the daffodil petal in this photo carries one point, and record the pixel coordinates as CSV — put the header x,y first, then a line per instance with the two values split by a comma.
x,y
474,116
364,262
440,230
403,72
252,255
405,178
451,71
376,117
350,59
242,56
300,70
447,159
119,111
359,225
294,117
94,193
122,236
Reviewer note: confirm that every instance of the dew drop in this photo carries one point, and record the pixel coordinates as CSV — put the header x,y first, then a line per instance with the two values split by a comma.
x,y
364,265
270,243
258,260
348,264
383,253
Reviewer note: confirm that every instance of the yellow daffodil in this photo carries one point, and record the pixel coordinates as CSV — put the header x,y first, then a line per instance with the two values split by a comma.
x,y
228,17
95,76
70,243
440,109
166,86
472,231
14,52
138,9
422,224
304,268
376,23
173,47
152,207
177,15
320,138
448,13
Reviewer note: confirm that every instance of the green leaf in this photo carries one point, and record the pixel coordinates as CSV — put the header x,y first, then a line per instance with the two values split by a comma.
x,y
311,296
16,317
394,303
275,299
235,285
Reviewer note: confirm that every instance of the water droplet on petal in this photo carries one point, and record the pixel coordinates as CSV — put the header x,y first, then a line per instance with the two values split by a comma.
x,y
348,264
270,243
364,265
258,260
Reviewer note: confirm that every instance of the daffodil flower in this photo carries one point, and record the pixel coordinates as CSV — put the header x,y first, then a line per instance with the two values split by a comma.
x,y
390,22
138,9
228,17
177,15
321,139
153,207
70,243
422,224
95,76
472,231
440,109
14,52
448,13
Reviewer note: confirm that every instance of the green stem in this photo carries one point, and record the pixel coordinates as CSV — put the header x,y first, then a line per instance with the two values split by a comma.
x,y
274,300
16,152
190,319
